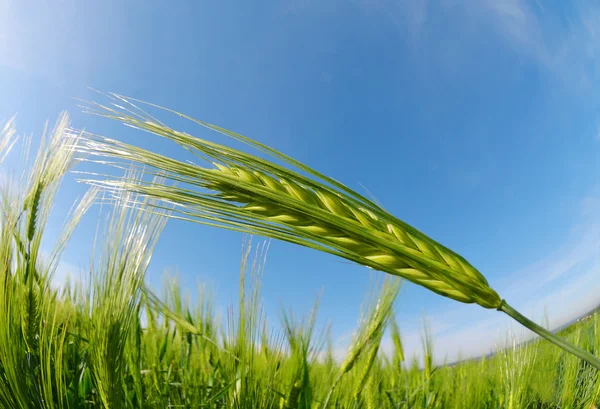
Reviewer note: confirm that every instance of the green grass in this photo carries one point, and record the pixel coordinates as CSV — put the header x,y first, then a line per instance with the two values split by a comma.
x,y
108,342
239,191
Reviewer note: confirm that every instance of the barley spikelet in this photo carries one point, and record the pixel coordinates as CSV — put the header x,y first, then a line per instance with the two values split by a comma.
x,y
397,340
373,393
372,328
294,395
33,204
368,365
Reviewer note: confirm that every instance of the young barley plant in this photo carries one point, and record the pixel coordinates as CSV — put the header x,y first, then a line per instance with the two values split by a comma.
x,y
113,343
516,365
250,194
116,296
367,339
34,324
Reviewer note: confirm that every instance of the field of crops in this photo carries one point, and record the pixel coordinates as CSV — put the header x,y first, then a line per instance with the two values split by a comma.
x,y
109,342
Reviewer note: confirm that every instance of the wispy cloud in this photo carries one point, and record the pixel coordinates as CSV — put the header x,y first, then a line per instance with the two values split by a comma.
x,y
487,331
409,17
563,286
565,43
580,248
480,338
41,39
11,51
573,297
562,41
517,23
559,287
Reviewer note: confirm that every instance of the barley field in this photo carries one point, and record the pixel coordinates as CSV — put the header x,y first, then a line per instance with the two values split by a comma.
x,y
107,341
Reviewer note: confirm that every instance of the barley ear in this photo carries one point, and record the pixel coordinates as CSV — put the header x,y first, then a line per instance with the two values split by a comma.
x,y
291,202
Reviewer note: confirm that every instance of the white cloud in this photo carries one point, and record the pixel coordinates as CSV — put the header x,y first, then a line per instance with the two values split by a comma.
x,y
487,330
517,22
572,298
565,44
11,50
563,286
410,17
580,248
41,39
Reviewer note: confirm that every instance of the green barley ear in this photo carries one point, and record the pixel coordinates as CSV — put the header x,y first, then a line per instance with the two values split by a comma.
x,y
302,352
370,359
118,276
35,319
397,340
369,336
249,194
427,343
373,326
290,202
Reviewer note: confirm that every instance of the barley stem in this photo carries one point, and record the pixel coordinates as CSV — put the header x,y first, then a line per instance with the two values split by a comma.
x,y
556,340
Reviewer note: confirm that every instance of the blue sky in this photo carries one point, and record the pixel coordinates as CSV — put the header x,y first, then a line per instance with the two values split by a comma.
x,y
476,121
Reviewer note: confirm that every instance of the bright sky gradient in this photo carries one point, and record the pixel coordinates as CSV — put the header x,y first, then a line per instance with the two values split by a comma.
x,y
476,121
